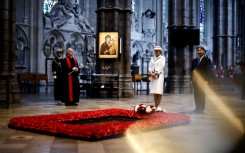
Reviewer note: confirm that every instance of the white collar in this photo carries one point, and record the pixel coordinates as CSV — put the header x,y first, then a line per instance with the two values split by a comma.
x,y
201,57
156,58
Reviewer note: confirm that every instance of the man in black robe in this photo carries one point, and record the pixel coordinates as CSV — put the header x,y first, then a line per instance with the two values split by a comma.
x,y
57,74
70,72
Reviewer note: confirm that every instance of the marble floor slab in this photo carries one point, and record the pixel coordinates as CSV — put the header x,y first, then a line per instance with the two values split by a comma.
x,y
218,130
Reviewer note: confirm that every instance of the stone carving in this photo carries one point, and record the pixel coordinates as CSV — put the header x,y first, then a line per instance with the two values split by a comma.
x,y
20,56
81,20
134,22
66,13
136,58
91,59
47,48
148,23
59,13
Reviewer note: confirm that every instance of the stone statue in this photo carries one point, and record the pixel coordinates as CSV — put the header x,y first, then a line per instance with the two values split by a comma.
x,y
136,58
59,13
20,52
68,13
81,20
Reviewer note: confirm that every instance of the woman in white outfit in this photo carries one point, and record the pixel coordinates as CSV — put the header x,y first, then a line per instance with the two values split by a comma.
x,y
156,72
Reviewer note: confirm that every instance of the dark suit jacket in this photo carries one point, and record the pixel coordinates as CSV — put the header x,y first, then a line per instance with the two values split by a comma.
x,y
204,68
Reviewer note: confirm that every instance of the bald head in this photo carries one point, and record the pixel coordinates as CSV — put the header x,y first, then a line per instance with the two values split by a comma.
x,y
69,52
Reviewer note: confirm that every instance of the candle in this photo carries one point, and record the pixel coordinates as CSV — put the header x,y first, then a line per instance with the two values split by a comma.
x,y
120,51
94,46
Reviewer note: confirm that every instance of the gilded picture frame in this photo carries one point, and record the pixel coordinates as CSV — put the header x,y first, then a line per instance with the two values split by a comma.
x,y
108,45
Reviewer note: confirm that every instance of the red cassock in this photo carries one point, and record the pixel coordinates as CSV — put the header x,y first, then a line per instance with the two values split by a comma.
x,y
71,82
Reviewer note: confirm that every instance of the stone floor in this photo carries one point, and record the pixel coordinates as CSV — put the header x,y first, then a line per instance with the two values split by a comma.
x,y
216,131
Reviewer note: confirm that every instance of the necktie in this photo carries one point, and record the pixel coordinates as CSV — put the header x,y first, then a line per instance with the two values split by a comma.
x,y
199,60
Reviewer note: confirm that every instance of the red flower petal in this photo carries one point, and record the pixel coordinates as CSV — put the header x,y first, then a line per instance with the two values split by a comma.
x,y
99,124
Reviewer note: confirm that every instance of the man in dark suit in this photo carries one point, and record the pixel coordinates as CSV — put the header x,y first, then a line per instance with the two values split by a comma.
x,y
200,74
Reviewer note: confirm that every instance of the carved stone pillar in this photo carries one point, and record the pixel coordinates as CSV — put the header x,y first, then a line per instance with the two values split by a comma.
x,y
115,16
139,15
241,44
159,22
7,53
224,33
182,15
38,35
241,28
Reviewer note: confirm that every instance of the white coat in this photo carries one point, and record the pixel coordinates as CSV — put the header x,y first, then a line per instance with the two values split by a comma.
x,y
157,64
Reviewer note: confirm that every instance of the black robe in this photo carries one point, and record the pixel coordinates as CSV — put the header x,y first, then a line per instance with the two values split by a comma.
x,y
57,71
70,80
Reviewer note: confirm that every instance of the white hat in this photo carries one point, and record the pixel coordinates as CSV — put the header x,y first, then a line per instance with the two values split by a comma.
x,y
59,50
158,48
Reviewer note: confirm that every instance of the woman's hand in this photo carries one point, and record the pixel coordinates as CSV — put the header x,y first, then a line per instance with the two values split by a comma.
x,y
75,69
153,75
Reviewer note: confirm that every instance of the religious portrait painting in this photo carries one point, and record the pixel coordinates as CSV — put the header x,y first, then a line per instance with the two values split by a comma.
x,y
108,45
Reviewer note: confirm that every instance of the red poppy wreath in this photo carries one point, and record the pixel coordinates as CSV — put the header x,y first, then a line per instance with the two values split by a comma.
x,y
97,124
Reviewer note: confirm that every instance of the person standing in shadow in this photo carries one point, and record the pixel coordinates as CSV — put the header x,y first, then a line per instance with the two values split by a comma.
x,y
57,74
200,74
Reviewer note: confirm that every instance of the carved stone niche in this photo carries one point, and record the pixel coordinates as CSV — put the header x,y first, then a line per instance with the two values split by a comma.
x,y
149,23
21,50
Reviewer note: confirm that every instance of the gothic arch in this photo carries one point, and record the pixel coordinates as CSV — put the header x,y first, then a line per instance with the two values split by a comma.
x,y
78,36
136,46
136,52
20,33
148,48
54,39
57,33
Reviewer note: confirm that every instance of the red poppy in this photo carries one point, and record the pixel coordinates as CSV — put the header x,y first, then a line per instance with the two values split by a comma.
x,y
98,124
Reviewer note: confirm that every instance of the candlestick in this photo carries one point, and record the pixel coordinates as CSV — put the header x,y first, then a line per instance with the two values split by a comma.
x,y
94,46
120,51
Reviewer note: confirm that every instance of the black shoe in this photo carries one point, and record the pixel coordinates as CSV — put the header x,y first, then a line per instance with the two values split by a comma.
x,y
73,104
67,104
198,112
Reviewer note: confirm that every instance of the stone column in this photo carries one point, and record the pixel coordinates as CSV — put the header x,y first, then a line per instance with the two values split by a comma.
x,y
159,22
126,78
140,10
7,54
241,32
32,66
38,33
115,16
25,18
224,33
182,15
232,34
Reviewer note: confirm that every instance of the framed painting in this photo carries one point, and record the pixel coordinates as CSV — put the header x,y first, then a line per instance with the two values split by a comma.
x,y
108,45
